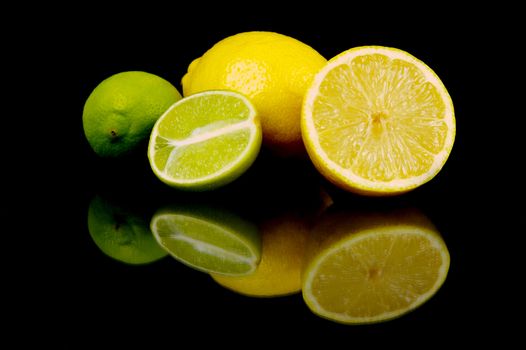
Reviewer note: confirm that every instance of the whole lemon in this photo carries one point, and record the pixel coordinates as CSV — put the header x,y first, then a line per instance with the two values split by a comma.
x,y
272,70
120,112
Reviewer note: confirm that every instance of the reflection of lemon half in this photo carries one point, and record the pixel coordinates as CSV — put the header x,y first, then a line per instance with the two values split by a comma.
x,y
373,267
279,272
378,121
208,239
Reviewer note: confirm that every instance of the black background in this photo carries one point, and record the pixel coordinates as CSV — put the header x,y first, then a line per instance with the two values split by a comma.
x,y
88,298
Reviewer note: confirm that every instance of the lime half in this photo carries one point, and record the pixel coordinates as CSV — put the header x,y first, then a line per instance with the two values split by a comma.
x,y
205,140
208,239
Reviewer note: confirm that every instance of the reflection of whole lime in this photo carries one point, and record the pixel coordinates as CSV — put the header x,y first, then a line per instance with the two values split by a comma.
x,y
122,235
121,111
367,267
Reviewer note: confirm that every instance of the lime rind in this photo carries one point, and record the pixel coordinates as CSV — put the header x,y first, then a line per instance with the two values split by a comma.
x,y
208,239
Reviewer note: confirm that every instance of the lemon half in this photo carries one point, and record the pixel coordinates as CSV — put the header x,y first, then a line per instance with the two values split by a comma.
x,y
378,121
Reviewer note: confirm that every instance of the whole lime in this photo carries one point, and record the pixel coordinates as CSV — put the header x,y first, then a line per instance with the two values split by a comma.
x,y
120,112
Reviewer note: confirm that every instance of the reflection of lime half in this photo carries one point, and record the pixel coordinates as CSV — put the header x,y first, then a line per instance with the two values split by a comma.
x,y
207,239
120,112
122,235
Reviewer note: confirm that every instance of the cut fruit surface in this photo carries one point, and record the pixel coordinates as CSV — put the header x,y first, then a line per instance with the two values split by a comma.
x,y
378,121
372,268
205,140
208,239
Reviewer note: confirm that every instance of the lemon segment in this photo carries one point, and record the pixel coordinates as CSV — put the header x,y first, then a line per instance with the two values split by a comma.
x,y
378,121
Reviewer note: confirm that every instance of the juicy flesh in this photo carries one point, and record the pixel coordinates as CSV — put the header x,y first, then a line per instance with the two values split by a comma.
x,y
380,118
377,275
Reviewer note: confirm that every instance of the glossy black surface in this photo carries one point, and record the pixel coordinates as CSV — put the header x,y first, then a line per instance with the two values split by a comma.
x,y
94,296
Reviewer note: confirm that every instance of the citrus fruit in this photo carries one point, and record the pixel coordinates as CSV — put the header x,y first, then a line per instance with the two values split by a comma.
x,y
279,272
272,69
378,121
208,239
121,233
372,267
205,140
120,112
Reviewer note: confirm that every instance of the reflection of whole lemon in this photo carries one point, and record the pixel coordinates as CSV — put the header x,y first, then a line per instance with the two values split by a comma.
x,y
272,69
279,272
121,111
